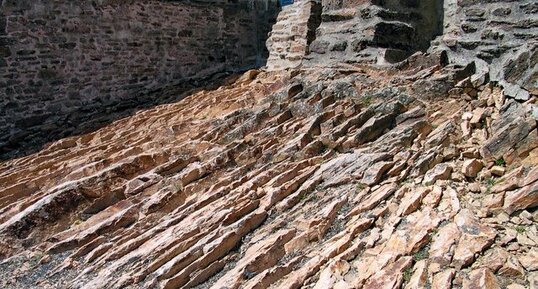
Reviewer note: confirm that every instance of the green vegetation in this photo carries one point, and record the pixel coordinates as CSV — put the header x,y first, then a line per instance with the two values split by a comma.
x,y
407,274
521,229
500,162
302,196
367,100
489,183
420,255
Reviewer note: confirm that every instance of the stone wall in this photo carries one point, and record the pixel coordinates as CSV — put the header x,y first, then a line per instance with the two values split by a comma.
x,y
67,63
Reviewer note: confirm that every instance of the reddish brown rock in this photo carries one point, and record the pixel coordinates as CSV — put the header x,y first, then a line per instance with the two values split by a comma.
x,y
524,198
439,172
474,239
481,278
471,168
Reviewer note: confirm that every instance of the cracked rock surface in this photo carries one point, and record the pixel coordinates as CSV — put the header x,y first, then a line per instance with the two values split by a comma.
x,y
322,178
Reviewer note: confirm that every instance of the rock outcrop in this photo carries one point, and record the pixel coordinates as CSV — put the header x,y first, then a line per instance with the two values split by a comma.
x,y
312,178
320,172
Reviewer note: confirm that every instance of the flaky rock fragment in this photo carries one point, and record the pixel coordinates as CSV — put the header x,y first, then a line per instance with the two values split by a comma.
x,y
439,172
481,278
524,198
471,168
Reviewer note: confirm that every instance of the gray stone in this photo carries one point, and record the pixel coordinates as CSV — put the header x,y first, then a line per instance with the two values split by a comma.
x,y
515,91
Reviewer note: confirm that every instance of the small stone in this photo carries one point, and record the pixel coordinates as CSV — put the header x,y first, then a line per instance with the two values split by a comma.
x,y
478,114
512,268
521,199
503,218
526,215
449,153
533,280
516,92
467,115
419,277
481,278
443,280
493,201
439,172
497,171
515,286
529,260
516,220
523,239
373,175
471,153
494,260
474,187
471,168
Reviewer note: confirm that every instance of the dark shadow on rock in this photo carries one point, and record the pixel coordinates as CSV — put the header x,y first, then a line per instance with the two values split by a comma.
x,y
151,64
37,133
408,26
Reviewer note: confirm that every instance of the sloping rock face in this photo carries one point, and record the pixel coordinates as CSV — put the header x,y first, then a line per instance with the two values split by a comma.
x,y
329,174
329,178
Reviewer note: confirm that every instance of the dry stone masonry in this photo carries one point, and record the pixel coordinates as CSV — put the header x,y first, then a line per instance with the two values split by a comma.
x,y
68,65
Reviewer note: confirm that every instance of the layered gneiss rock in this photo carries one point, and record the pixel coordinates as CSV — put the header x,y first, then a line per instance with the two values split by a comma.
x,y
375,31
315,179
330,174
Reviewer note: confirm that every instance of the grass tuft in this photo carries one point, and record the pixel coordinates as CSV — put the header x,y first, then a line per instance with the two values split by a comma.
x,y
500,162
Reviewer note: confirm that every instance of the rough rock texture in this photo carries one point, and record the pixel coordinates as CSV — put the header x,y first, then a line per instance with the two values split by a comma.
x,y
304,179
421,174
66,67
291,36
499,36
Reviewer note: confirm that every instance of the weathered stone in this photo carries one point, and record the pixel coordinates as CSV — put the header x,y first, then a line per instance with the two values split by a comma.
x,y
494,260
475,238
412,200
471,168
529,260
443,280
442,247
373,175
512,268
510,130
497,171
419,279
521,199
481,278
439,172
